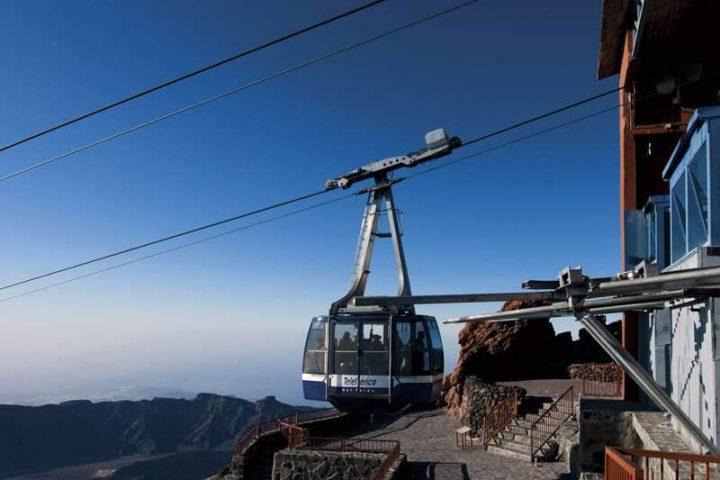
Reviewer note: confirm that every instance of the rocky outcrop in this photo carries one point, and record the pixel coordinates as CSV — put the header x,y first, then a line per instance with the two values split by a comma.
x,y
527,349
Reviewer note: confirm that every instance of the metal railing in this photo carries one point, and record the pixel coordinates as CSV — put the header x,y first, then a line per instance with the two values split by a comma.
x,y
499,417
275,425
547,425
299,438
594,388
618,467
628,463
603,380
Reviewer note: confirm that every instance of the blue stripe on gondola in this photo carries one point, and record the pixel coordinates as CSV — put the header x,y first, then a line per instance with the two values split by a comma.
x,y
426,392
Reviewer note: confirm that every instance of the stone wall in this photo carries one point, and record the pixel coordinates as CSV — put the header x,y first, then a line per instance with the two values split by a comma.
x,y
599,372
604,422
321,465
258,457
477,398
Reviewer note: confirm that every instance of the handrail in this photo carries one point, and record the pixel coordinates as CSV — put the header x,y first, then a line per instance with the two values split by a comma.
x,y
602,380
499,417
388,463
258,429
681,456
569,412
617,467
616,464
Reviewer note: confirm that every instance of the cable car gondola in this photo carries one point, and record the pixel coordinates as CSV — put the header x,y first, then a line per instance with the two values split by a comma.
x,y
375,357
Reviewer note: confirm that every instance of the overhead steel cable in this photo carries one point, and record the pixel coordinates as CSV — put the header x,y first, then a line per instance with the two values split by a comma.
x,y
191,74
509,142
167,238
182,246
304,197
260,210
543,116
232,91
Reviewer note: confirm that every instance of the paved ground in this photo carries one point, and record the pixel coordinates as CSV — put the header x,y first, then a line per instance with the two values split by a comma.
x,y
549,387
428,439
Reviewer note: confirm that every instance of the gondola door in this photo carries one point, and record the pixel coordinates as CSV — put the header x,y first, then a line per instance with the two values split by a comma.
x,y
374,357
346,358
361,358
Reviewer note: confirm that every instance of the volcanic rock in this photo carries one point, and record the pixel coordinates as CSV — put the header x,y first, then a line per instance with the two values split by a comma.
x,y
599,372
522,350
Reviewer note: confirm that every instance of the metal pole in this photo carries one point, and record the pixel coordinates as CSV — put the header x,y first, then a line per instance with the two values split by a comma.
x,y
402,271
512,315
631,366
699,277
454,298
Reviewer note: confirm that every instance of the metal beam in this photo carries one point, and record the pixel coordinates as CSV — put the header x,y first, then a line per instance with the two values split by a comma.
x,y
683,279
513,315
648,301
631,366
453,298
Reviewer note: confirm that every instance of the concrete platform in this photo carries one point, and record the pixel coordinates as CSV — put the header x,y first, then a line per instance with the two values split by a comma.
x,y
428,439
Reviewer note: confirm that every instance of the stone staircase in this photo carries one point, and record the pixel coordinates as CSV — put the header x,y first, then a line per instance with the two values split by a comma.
x,y
514,441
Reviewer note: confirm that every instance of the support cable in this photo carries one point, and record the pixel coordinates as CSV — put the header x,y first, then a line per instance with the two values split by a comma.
x,y
232,91
264,209
182,246
304,197
190,74
166,238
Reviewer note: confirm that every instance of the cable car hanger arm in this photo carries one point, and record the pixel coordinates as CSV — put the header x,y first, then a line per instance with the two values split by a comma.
x,y
438,144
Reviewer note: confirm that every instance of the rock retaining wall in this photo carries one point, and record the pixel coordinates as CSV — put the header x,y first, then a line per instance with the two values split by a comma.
x,y
258,457
477,399
604,422
599,372
321,465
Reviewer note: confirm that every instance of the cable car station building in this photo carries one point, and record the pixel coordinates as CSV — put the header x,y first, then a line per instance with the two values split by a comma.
x,y
667,60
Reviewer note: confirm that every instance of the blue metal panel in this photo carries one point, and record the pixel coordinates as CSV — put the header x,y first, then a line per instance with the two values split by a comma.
x,y
697,149
713,152
314,390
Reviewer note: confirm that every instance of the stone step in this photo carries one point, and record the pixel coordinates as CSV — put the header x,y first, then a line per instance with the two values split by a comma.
x,y
507,452
521,438
517,429
527,423
550,414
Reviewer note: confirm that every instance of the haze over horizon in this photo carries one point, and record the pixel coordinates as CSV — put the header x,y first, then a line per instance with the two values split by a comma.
x,y
230,316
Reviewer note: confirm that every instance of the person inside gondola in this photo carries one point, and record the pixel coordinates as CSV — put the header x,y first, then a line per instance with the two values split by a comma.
x,y
420,359
375,343
346,342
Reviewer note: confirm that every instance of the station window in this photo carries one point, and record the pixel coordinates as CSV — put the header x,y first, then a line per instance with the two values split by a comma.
x,y
678,213
316,347
697,199
651,232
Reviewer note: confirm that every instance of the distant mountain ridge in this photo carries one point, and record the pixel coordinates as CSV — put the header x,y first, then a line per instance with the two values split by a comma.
x,y
110,394
34,439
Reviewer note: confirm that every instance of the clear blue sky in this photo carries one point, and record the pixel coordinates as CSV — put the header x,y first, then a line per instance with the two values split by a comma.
x,y
230,316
